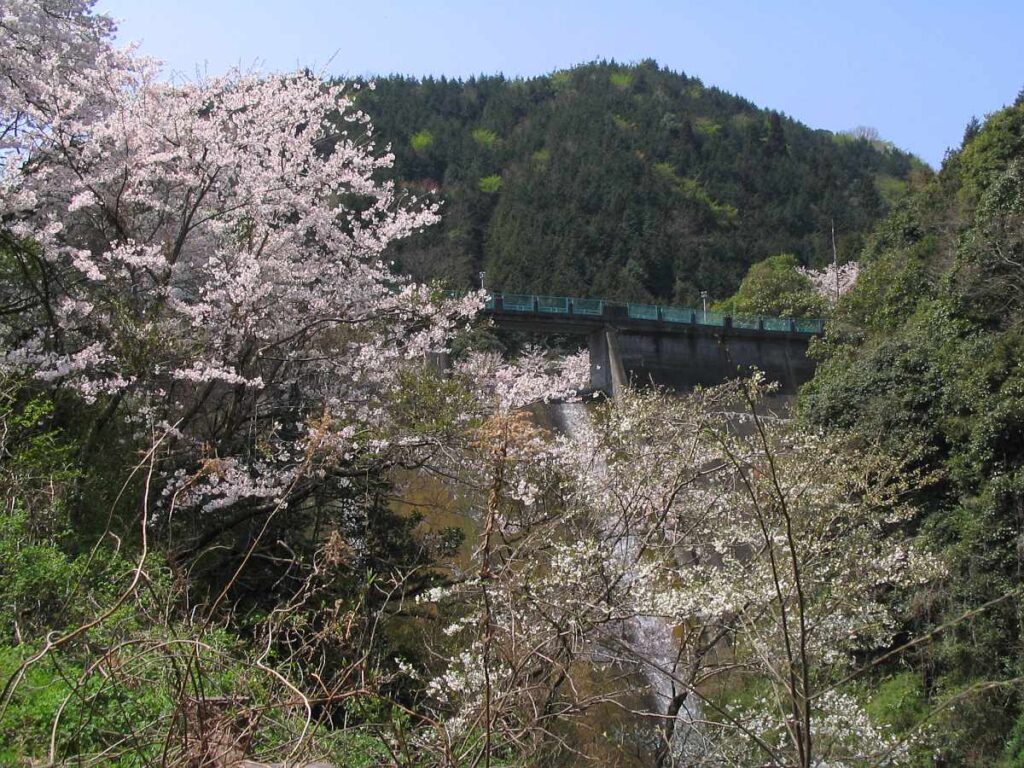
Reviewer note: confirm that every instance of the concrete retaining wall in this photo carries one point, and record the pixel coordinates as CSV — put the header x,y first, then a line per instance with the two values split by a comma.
x,y
684,362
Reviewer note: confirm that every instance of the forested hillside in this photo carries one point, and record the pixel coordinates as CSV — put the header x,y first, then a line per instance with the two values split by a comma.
x,y
926,359
623,181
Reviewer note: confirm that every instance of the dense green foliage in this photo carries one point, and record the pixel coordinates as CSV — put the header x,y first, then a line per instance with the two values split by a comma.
x,y
774,287
630,182
926,358
105,636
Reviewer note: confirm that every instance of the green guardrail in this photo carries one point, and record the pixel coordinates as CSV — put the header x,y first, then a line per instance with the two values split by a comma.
x,y
678,315
776,323
711,318
563,305
642,311
558,305
590,307
740,321
517,302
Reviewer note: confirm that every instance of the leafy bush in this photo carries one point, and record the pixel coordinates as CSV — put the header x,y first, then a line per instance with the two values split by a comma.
x,y
774,287
484,137
421,141
490,184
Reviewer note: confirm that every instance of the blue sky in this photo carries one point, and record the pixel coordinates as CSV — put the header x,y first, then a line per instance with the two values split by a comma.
x,y
915,70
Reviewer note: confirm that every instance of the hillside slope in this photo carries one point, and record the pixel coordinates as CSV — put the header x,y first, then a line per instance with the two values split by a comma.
x,y
926,359
622,181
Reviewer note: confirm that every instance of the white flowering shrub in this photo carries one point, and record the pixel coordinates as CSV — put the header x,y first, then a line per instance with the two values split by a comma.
x,y
708,544
833,281
204,257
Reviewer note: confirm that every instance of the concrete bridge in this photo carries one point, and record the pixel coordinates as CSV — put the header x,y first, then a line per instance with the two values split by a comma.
x,y
679,347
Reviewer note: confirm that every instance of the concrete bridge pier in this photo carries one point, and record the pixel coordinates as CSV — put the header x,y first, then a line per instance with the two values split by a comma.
x,y
607,373
600,366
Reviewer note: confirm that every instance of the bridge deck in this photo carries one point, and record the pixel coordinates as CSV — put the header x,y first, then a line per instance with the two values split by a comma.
x,y
574,315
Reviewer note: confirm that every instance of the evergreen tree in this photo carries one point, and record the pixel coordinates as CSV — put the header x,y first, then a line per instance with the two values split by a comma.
x,y
556,184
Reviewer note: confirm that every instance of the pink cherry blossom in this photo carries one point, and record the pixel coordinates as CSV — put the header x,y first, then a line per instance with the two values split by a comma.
x,y
203,248
832,281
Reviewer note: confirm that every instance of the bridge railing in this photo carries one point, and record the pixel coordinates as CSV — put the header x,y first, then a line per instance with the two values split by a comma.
x,y
588,307
558,305
776,323
683,315
712,318
569,306
747,321
517,302
642,311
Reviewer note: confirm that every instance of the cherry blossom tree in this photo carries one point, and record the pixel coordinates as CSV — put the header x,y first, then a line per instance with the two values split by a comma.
x,y
204,252
702,541
51,48
833,281
790,548
534,376
202,264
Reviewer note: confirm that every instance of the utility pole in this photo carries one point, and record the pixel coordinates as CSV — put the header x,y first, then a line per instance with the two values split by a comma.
x,y
482,276
835,258
704,299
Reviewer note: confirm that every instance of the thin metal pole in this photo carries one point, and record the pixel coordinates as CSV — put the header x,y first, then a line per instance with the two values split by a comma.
x,y
835,258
